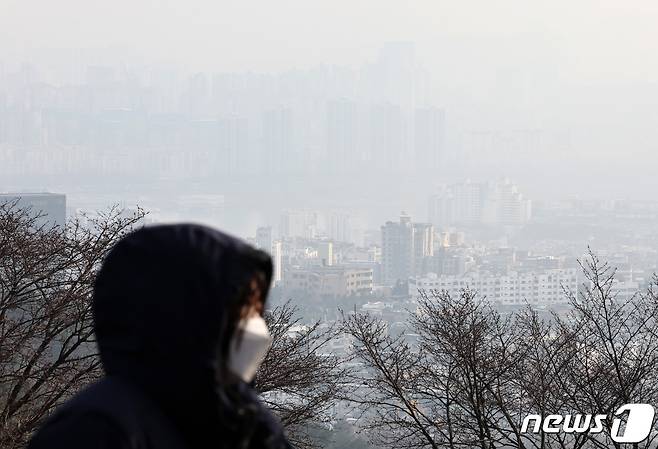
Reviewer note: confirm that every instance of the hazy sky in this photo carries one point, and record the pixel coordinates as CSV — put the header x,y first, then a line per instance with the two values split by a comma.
x,y
593,39
587,68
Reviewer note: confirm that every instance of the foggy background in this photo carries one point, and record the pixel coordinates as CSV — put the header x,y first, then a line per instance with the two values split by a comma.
x,y
378,151
365,106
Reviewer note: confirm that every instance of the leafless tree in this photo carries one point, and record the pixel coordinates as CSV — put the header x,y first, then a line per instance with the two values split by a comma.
x,y
474,375
47,345
47,348
300,379
387,386
613,358
454,388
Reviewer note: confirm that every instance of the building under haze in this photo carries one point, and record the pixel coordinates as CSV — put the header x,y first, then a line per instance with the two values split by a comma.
x,y
542,287
336,281
476,203
326,253
339,226
264,240
341,128
50,207
429,138
277,141
298,223
277,260
389,138
506,205
406,247
264,237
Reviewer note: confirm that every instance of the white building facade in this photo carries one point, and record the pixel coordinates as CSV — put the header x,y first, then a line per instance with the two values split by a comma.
x,y
539,287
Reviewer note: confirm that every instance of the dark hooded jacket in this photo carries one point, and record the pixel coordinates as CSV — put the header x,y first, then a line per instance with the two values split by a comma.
x,y
162,314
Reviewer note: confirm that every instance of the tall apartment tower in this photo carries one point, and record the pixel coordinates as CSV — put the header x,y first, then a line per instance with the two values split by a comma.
x,y
473,203
423,247
265,242
326,253
341,137
508,205
277,130
277,261
339,226
264,238
429,124
405,247
298,223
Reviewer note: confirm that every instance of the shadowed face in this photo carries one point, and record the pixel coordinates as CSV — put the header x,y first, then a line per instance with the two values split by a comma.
x,y
253,305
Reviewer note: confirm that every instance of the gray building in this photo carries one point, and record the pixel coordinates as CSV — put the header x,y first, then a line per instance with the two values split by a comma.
x,y
406,247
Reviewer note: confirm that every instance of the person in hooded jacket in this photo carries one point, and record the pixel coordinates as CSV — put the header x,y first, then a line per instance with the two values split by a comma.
x,y
178,318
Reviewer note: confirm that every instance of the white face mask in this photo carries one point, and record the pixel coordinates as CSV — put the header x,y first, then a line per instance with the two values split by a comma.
x,y
246,351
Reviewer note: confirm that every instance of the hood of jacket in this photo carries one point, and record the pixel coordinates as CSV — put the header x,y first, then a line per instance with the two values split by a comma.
x,y
161,307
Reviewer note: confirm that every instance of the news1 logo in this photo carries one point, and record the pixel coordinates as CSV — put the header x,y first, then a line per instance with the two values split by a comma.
x,y
637,429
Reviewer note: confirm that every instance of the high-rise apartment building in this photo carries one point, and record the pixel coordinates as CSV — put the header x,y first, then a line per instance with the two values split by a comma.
x,y
473,203
265,242
341,137
277,144
277,261
389,137
326,253
507,204
429,131
339,226
405,248
298,223
264,238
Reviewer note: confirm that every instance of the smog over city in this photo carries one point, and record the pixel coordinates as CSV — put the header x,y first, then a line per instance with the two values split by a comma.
x,y
421,174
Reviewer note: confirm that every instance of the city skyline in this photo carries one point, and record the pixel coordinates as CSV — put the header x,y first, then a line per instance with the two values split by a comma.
x,y
458,201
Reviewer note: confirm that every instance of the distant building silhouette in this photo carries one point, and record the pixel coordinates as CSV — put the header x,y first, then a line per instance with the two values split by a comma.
x,y
429,138
474,203
264,238
298,223
341,129
406,247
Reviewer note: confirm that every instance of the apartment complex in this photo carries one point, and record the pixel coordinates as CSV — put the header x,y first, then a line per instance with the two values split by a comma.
x,y
472,203
535,287
330,281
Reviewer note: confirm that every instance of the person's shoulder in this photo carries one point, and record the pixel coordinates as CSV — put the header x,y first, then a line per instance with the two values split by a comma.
x,y
269,431
80,431
108,413
85,420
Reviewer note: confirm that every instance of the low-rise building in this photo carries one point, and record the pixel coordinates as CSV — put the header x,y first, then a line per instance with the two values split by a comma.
x,y
330,281
536,287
